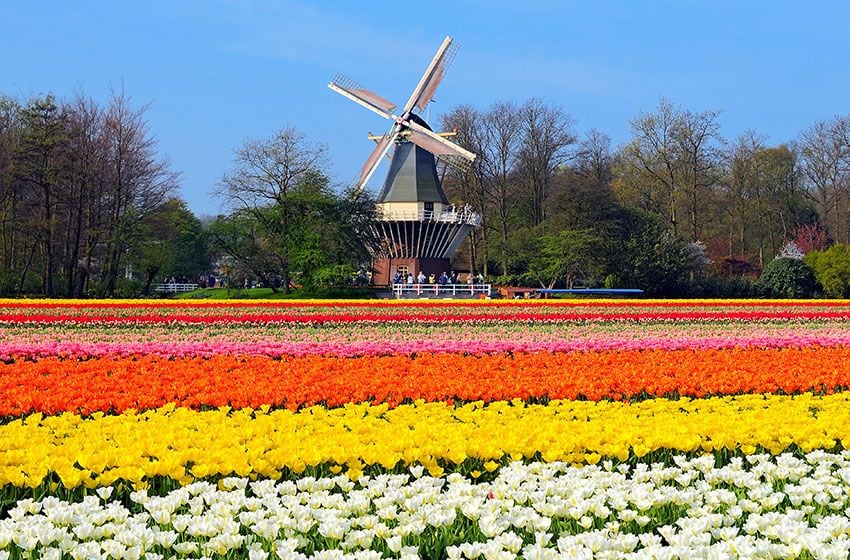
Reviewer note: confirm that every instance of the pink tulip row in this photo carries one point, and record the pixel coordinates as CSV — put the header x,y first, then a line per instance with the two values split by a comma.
x,y
598,342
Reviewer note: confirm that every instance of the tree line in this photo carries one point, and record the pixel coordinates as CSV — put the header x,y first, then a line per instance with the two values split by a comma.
x,y
678,207
85,197
88,206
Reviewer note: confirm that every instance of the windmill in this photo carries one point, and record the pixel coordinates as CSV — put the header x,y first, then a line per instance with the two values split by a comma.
x,y
420,231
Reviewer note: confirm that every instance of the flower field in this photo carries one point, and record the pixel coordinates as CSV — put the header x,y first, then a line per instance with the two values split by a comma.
x,y
544,429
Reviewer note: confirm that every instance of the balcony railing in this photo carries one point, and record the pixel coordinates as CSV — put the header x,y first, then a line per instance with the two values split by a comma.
x,y
445,290
462,216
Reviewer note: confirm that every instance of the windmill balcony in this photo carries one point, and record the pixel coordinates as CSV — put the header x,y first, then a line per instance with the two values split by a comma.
x,y
462,216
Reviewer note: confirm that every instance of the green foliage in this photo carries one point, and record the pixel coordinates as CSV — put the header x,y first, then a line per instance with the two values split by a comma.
x,y
832,269
171,242
334,276
612,281
651,257
720,286
786,277
566,256
311,236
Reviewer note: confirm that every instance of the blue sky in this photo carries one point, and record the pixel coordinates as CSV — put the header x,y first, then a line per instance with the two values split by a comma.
x,y
219,72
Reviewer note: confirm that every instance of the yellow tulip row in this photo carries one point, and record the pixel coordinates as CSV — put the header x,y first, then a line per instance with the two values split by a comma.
x,y
184,444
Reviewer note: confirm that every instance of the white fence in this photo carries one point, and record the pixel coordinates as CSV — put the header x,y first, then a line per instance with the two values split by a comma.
x,y
174,288
444,290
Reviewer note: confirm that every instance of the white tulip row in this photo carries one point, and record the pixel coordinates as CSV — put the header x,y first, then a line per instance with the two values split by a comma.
x,y
757,507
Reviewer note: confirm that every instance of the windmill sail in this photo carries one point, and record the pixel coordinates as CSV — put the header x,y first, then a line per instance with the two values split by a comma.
x,y
375,158
357,93
426,87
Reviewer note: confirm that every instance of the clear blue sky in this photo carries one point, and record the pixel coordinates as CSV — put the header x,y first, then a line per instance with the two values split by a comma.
x,y
219,72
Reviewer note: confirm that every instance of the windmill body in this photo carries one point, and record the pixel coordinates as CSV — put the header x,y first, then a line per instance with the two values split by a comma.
x,y
418,228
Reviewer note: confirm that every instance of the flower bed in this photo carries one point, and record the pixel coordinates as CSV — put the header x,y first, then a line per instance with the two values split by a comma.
x,y
442,429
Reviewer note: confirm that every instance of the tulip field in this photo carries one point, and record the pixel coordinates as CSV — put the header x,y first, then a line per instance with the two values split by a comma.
x,y
652,429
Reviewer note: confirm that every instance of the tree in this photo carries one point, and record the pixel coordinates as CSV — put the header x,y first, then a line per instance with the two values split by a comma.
x,y
172,243
11,195
582,196
41,168
826,154
832,269
503,130
138,181
264,175
566,256
650,256
547,133
470,186
673,162
286,217
787,277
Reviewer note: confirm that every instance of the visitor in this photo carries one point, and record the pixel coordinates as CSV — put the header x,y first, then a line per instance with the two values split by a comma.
x,y
421,279
432,278
410,278
444,278
397,277
453,277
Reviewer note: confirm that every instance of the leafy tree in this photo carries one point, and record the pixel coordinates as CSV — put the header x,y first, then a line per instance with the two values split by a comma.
x,y
265,173
566,256
788,277
832,269
172,242
243,243
288,224
652,257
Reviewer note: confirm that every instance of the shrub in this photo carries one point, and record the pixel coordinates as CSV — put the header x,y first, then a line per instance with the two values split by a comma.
x,y
788,277
832,269
718,286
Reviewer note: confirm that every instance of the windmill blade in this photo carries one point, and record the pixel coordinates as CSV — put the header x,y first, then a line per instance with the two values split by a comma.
x,y
375,158
362,96
424,91
435,143
445,151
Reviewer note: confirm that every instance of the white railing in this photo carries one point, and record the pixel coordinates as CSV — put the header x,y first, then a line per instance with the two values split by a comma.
x,y
456,217
446,290
175,288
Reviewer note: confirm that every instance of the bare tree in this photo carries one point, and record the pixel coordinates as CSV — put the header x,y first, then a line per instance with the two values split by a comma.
x,y
653,152
826,154
84,193
470,186
700,143
677,153
138,180
593,159
500,156
547,133
738,189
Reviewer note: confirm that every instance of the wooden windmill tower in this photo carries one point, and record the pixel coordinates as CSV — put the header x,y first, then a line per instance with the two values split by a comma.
x,y
419,230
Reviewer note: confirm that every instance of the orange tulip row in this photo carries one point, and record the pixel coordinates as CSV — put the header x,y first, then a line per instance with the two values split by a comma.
x,y
54,385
